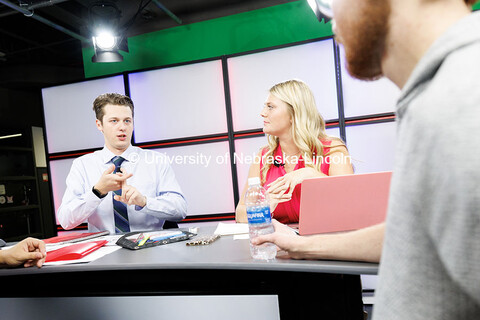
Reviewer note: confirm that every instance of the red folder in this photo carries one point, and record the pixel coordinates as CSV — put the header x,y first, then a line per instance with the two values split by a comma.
x,y
74,251
75,237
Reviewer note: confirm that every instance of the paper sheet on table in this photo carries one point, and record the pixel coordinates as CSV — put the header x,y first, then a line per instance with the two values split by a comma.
x,y
97,254
226,229
241,236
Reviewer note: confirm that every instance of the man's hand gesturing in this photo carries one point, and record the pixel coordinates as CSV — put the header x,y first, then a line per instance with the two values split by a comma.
x,y
110,181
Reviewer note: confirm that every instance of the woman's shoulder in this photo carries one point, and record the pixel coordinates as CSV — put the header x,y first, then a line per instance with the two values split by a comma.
x,y
326,142
334,144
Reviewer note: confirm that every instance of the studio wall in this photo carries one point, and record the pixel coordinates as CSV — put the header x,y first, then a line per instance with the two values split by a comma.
x,y
205,117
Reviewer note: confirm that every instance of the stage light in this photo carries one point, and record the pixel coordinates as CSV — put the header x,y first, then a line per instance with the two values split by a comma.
x,y
107,47
105,40
107,56
107,37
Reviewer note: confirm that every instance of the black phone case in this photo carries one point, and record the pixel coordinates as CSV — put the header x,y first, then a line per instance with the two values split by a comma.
x,y
126,243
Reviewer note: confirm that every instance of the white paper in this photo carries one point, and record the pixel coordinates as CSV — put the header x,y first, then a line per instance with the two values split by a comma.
x,y
241,237
226,229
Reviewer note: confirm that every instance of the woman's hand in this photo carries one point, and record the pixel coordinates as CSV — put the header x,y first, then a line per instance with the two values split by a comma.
x,y
276,198
288,182
281,189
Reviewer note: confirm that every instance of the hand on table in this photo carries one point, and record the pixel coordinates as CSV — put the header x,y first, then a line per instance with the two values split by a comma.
x,y
29,252
284,238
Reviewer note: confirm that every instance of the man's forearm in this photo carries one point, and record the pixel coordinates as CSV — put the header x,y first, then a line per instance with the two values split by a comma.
x,y
359,245
2,258
169,205
74,210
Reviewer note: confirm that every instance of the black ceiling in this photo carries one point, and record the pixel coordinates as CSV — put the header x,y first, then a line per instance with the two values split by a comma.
x,y
35,54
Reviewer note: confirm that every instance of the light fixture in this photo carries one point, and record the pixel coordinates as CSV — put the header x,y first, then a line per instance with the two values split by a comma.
x,y
104,21
105,15
107,56
107,47
106,50
105,40
322,9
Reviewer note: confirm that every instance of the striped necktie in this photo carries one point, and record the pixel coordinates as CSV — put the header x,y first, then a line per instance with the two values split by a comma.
x,y
119,208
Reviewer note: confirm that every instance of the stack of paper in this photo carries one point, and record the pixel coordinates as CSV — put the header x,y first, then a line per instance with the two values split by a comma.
x,y
238,230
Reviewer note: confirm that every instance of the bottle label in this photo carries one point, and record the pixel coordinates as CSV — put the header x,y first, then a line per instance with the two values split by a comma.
x,y
259,215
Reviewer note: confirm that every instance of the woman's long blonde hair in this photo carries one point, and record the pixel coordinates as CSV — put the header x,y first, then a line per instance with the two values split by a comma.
x,y
308,126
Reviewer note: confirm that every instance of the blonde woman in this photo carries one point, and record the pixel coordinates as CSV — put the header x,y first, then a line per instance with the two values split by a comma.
x,y
298,148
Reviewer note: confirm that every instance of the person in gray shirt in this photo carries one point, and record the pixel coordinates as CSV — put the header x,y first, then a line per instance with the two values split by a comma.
x,y
430,260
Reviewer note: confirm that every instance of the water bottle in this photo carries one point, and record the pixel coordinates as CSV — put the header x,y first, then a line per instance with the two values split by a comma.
x,y
259,219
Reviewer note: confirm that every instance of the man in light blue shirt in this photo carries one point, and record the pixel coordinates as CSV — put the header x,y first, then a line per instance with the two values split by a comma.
x,y
136,192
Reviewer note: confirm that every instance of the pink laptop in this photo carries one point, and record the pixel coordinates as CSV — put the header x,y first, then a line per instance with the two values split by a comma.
x,y
343,203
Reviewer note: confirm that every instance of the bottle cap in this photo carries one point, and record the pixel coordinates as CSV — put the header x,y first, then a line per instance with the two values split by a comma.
x,y
253,181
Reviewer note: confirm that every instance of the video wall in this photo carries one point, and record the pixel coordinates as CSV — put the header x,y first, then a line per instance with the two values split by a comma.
x,y
205,117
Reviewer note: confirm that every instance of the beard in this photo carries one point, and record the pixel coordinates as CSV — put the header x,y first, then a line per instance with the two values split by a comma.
x,y
364,40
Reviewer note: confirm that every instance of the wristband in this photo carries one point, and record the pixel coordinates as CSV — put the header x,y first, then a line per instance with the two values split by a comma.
x,y
98,194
